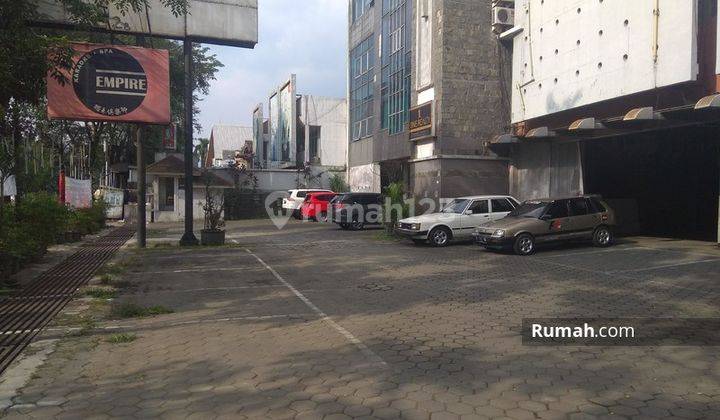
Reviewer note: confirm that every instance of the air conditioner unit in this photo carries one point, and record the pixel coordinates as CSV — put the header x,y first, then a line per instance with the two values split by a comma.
x,y
504,16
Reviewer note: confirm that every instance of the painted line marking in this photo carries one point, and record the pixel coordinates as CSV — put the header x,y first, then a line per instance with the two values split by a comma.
x,y
637,270
198,270
323,316
214,289
605,251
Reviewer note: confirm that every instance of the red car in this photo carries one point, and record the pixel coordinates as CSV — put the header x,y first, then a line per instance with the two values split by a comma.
x,y
315,206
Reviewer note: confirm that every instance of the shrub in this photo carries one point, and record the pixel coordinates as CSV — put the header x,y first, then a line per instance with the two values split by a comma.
x,y
394,207
338,184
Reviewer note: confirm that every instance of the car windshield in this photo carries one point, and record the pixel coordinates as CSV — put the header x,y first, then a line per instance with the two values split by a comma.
x,y
456,206
531,209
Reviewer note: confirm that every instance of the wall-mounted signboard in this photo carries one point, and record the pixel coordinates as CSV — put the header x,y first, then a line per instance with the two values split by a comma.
x,y
113,83
226,22
421,123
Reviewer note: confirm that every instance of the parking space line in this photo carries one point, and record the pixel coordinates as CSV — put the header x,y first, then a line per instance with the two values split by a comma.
x,y
323,316
604,251
198,270
637,270
214,289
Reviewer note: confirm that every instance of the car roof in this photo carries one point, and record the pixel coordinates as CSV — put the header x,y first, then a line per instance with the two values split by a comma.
x,y
549,199
481,197
311,189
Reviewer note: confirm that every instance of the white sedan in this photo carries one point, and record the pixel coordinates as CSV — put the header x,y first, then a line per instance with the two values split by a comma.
x,y
458,220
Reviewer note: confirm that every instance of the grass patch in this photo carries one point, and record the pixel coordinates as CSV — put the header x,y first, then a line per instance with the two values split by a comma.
x,y
100,293
122,338
132,310
383,235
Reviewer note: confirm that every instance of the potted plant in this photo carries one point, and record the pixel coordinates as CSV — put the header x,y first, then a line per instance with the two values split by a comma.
x,y
212,233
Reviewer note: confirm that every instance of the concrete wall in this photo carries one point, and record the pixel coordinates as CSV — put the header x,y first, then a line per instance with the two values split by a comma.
x,y
572,53
545,169
331,114
468,88
286,179
364,178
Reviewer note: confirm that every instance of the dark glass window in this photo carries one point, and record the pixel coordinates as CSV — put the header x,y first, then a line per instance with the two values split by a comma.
x,y
396,57
578,207
362,63
480,207
596,206
501,206
558,210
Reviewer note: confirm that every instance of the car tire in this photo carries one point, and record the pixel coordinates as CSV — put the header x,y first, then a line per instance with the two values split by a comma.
x,y
344,226
524,244
323,217
357,225
439,237
603,237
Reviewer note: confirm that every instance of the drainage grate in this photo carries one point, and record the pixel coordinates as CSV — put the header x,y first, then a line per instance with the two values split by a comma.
x,y
24,314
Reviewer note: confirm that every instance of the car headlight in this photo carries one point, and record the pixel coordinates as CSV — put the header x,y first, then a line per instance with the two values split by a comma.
x,y
499,233
415,226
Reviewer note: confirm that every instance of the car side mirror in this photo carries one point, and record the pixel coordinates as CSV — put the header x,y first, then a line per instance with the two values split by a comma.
x,y
469,212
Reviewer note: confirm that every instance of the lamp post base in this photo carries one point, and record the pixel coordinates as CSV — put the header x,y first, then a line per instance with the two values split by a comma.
x,y
189,239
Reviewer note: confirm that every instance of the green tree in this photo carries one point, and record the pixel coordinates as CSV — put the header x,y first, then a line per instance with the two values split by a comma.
x,y
28,54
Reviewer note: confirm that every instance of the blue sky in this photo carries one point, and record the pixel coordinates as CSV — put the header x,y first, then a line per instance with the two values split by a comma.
x,y
305,37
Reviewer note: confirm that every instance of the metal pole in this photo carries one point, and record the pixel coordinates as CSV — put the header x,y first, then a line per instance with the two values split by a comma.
x,y
188,238
141,195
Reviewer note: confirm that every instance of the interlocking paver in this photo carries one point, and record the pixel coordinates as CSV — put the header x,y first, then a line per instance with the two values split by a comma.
x,y
443,320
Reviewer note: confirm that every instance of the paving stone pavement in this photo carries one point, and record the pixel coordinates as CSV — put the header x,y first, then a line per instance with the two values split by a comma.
x,y
346,325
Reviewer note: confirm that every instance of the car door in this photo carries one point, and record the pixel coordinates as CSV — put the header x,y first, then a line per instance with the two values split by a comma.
x,y
582,219
499,208
477,213
558,222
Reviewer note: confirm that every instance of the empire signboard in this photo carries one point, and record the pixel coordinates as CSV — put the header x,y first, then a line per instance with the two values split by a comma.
x,y
421,123
113,83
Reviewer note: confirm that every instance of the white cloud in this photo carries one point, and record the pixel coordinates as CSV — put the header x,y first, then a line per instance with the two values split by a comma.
x,y
307,37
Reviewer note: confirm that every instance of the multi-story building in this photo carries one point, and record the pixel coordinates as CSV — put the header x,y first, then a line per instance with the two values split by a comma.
x,y
618,98
300,129
426,97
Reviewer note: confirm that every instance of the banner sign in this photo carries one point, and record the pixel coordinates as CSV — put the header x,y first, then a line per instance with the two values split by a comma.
x,y
9,189
421,121
169,137
113,83
78,193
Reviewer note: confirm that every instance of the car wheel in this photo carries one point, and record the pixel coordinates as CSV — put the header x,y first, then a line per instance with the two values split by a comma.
x,y
603,237
344,226
323,217
357,225
524,244
439,236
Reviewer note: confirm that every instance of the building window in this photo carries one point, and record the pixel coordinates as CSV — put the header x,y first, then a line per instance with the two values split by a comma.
x,y
362,63
314,142
359,7
167,194
396,56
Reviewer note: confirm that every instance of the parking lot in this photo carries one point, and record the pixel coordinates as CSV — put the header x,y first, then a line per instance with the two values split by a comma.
x,y
315,322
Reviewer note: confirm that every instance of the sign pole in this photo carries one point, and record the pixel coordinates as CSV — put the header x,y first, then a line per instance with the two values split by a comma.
x,y
188,238
141,194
